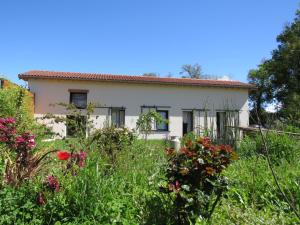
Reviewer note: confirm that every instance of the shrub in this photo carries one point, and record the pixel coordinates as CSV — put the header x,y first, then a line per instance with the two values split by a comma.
x,y
146,120
194,178
112,140
280,146
21,163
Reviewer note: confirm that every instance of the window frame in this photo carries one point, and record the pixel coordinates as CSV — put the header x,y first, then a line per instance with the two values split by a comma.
x,y
118,110
83,92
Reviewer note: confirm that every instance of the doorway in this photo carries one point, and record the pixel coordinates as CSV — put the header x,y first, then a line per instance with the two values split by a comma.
x,y
187,125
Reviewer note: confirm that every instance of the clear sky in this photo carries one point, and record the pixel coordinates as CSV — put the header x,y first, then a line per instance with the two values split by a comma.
x,y
226,37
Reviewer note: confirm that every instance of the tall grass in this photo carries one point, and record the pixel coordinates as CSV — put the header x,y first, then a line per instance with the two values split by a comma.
x,y
129,193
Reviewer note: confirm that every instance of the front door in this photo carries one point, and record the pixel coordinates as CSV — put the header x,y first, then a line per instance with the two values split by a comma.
x,y
187,125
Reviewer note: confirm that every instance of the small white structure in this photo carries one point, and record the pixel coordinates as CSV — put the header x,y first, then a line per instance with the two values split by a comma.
x,y
188,104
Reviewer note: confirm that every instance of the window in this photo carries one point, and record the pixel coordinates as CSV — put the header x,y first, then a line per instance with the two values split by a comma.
x,y
227,124
76,126
79,99
200,121
118,117
164,125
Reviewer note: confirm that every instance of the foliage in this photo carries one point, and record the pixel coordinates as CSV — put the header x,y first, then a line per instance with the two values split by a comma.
x,y
278,78
78,122
195,180
281,147
21,163
130,195
146,120
112,140
14,103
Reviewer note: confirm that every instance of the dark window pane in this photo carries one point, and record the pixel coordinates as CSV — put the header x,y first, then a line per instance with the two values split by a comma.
x,y
79,100
164,125
122,118
118,117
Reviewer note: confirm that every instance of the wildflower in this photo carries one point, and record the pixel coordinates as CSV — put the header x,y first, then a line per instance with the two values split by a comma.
x,y
63,155
10,120
210,170
25,141
79,158
7,131
174,187
52,183
41,199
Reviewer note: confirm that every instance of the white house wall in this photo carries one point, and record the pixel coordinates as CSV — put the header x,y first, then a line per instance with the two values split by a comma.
x,y
133,96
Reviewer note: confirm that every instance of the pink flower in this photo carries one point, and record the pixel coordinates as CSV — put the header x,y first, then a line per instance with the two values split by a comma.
x,y
52,183
10,120
41,199
25,141
80,158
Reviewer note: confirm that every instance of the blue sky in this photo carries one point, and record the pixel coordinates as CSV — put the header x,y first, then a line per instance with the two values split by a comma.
x,y
137,36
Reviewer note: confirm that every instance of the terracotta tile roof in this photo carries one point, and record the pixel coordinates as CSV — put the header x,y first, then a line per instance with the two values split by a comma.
x,y
39,74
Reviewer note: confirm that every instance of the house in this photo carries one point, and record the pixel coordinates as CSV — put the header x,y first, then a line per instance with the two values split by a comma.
x,y
188,104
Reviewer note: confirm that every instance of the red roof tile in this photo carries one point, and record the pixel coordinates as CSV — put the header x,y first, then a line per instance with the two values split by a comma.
x,y
39,74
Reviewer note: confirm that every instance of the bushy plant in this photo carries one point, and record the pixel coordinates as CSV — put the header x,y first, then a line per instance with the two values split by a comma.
x,y
194,178
21,162
146,120
111,140
280,146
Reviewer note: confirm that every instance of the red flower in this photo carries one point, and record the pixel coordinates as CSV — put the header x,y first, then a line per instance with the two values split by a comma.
x,y
187,152
63,155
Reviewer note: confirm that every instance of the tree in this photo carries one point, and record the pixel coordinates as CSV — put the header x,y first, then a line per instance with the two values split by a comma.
x,y
284,70
260,96
279,77
192,71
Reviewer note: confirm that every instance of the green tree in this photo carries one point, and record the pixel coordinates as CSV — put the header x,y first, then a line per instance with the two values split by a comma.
x,y
262,95
284,70
279,77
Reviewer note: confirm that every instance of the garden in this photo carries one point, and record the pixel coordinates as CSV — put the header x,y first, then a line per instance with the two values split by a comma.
x,y
112,177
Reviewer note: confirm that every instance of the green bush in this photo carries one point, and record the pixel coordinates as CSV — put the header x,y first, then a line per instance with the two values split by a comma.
x,y
280,147
112,140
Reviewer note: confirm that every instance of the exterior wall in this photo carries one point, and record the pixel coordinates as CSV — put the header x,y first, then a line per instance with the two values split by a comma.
x,y
133,96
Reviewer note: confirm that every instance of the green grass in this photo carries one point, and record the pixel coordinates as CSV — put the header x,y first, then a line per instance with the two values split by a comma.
x,y
129,193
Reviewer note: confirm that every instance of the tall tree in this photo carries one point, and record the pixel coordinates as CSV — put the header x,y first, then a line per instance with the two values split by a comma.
x,y
192,71
279,77
260,96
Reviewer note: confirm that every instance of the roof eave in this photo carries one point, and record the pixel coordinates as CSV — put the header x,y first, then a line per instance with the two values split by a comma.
x,y
26,77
